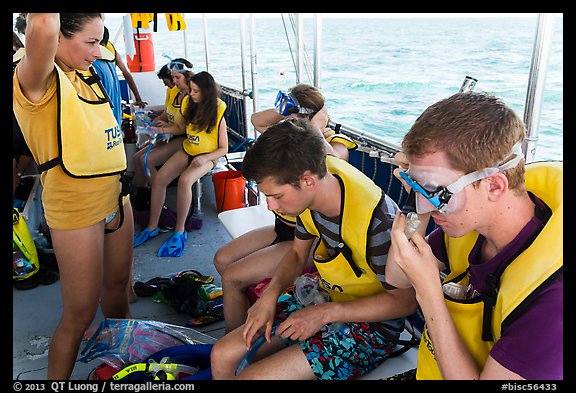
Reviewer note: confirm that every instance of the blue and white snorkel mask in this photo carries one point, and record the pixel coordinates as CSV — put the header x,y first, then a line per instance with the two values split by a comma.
x,y
178,66
286,104
440,196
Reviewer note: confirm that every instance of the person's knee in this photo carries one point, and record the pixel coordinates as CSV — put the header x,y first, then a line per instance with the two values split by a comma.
x,y
221,261
185,183
231,281
116,284
160,181
221,359
78,319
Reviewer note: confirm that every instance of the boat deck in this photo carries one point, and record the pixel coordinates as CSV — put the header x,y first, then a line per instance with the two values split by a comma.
x,y
43,303
36,312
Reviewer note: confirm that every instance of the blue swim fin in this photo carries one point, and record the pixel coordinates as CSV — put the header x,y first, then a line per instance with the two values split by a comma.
x,y
174,246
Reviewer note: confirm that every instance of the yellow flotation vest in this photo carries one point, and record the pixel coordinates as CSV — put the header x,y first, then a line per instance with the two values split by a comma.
x,y
478,322
173,109
288,220
343,139
175,21
108,52
89,140
23,240
201,141
347,276
142,19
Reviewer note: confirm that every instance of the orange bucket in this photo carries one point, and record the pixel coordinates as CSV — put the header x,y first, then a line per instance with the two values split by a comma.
x,y
143,60
229,190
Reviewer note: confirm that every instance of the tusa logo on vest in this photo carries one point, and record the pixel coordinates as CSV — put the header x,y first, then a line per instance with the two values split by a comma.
x,y
428,341
194,139
114,137
329,286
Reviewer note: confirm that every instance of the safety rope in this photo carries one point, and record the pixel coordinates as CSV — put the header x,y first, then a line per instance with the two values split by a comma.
x,y
307,63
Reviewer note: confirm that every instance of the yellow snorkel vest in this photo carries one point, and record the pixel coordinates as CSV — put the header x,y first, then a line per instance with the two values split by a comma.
x,y
89,140
347,276
108,52
173,110
175,21
201,141
343,139
288,220
522,279
141,20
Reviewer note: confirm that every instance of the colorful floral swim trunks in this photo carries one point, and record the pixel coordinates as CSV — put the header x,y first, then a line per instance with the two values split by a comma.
x,y
342,354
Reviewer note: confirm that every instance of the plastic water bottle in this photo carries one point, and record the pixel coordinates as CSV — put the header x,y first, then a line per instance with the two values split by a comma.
x,y
139,119
412,224
454,290
307,293
336,327
40,240
132,111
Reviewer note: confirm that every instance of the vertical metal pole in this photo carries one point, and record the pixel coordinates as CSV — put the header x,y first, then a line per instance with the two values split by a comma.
x,y
243,64
197,201
184,36
205,30
299,47
536,83
253,66
243,50
317,50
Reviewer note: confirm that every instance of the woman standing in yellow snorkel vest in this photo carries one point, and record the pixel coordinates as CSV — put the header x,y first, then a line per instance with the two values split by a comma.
x,y
73,135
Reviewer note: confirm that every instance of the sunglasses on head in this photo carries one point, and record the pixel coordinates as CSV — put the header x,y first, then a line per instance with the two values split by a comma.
x,y
178,66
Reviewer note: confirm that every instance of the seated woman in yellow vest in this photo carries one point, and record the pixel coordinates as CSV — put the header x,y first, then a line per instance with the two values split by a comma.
x,y
252,257
206,141
499,312
74,137
170,122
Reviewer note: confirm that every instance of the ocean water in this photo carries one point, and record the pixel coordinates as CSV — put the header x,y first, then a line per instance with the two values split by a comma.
x,y
379,74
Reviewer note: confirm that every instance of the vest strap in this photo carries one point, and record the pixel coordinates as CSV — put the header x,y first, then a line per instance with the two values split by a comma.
x,y
125,181
490,296
347,253
50,164
492,280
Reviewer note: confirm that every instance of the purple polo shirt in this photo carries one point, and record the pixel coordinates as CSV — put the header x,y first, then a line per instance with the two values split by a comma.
x,y
532,345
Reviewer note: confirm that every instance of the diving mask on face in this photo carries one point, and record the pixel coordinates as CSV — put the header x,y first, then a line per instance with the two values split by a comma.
x,y
178,66
286,104
440,196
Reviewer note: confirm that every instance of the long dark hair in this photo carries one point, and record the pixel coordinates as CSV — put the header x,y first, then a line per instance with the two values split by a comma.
x,y
203,114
